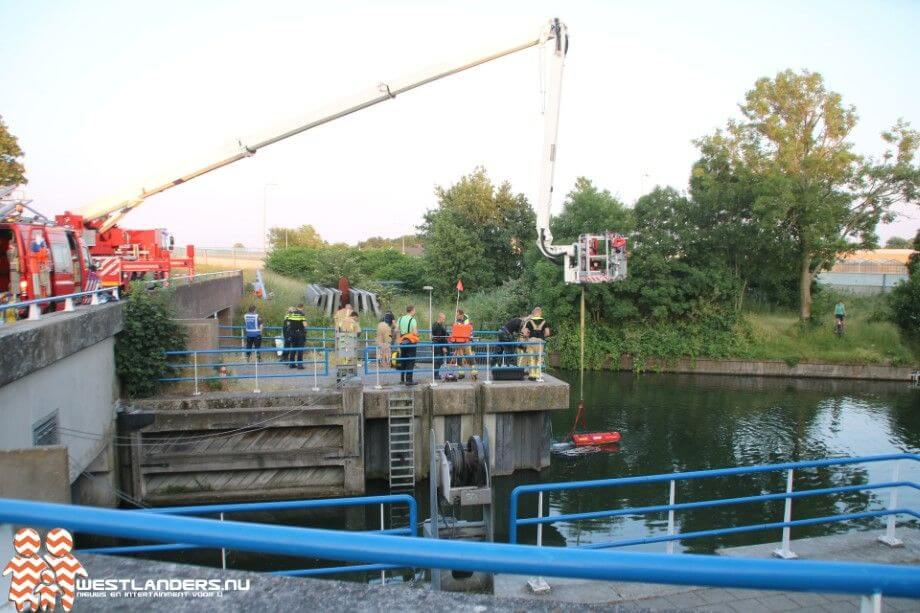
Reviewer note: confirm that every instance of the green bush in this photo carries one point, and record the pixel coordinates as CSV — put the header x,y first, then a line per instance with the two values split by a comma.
x,y
325,265
148,332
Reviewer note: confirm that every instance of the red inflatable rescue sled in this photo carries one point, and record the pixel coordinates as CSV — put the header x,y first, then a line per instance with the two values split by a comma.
x,y
595,438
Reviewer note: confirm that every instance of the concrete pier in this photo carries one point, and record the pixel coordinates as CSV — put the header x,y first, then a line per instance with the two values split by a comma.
x,y
239,446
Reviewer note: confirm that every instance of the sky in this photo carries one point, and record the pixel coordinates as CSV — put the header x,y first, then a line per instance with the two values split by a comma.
x,y
103,96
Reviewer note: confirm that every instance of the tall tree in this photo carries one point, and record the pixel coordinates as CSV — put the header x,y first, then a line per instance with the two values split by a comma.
x,y
304,236
477,231
815,189
589,210
12,172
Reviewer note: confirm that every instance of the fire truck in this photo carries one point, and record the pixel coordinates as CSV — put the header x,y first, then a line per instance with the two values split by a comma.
x,y
40,257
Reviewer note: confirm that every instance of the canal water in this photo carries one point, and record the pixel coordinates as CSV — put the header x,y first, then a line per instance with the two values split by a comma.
x,y
675,423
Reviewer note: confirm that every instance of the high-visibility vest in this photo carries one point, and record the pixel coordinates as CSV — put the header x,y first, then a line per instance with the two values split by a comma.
x,y
251,324
405,328
461,333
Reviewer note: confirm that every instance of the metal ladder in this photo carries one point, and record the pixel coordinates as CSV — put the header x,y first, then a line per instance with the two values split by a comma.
x,y
401,418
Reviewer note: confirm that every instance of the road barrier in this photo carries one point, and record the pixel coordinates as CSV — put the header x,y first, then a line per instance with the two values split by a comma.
x,y
96,296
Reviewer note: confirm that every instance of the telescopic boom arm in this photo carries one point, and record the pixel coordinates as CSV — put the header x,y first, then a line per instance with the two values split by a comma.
x,y
553,38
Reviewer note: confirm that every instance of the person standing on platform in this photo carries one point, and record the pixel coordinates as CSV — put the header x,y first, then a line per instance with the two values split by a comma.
x,y
408,344
538,331
252,325
295,322
384,340
439,337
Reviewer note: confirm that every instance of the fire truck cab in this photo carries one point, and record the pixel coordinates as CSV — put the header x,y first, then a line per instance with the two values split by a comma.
x,y
41,260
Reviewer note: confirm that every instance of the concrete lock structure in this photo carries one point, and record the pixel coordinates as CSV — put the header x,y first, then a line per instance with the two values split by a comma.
x,y
237,446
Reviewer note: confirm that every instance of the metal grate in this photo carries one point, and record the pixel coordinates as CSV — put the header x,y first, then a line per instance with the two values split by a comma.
x,y
45,432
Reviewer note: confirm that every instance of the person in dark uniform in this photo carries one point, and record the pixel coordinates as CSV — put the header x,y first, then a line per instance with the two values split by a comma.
x,y
511,332
439,337
295,323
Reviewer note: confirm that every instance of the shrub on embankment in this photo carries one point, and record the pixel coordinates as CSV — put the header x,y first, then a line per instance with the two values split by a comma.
x,y
149,331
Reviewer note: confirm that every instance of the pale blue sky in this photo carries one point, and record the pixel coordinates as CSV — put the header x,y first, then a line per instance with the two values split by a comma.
x,y
100,93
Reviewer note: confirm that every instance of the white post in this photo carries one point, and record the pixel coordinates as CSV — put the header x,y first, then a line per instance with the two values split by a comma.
x,y
889,537
540,347
223,552
785,552
671,498
489,380
315,385
540,515
258,357
95,298
195,366
870,604
383,573
377,368
35,313
242,337
115,294
68,305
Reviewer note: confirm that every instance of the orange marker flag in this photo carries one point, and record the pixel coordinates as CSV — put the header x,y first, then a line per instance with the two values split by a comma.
x,y
459,285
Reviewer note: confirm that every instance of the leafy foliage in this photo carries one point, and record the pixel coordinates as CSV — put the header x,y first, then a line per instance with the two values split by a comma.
x,y
897,242
12,172
148,331
304,236
904,299
809,186
587,209
327,264
409,241
477,233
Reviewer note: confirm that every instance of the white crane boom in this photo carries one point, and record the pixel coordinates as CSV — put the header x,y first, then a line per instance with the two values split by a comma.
x,y
553,37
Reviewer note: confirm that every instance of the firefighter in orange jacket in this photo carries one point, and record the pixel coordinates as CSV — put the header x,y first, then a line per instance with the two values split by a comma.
x,y
408,344
462,333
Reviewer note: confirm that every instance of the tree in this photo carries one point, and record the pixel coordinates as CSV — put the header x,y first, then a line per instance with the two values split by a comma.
x,y
813,187
408,241
304,236
905,297
12,172
149,331
239,246
477,232
896,242
588,210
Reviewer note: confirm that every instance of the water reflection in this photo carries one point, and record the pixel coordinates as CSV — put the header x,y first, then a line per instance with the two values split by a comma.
x,y
689,422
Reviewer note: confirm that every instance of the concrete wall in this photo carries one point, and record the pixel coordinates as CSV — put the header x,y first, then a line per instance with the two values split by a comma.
x,y
63,366
763,368
207,297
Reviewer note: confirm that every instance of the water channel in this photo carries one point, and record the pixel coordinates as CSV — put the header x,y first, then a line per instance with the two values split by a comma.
x,y
682,423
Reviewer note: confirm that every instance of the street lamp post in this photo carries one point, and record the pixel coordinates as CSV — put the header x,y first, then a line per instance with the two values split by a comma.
x,y
429,289
265,212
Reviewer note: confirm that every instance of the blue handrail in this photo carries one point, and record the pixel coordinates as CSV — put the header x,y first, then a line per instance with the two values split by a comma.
x,y
284,505
514,521
803,576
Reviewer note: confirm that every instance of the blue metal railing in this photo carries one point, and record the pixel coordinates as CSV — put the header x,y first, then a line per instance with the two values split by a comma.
x,y
287,505
401,551
196,363
68,300
483,356
671,478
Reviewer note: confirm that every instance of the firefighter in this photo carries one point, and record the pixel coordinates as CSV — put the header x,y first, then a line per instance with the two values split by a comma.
x,y
384,340
461,334
538,331
252,326
408,344
295,326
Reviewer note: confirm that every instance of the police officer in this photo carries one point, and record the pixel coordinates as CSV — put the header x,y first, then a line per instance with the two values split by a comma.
x,y
252,326
295,325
